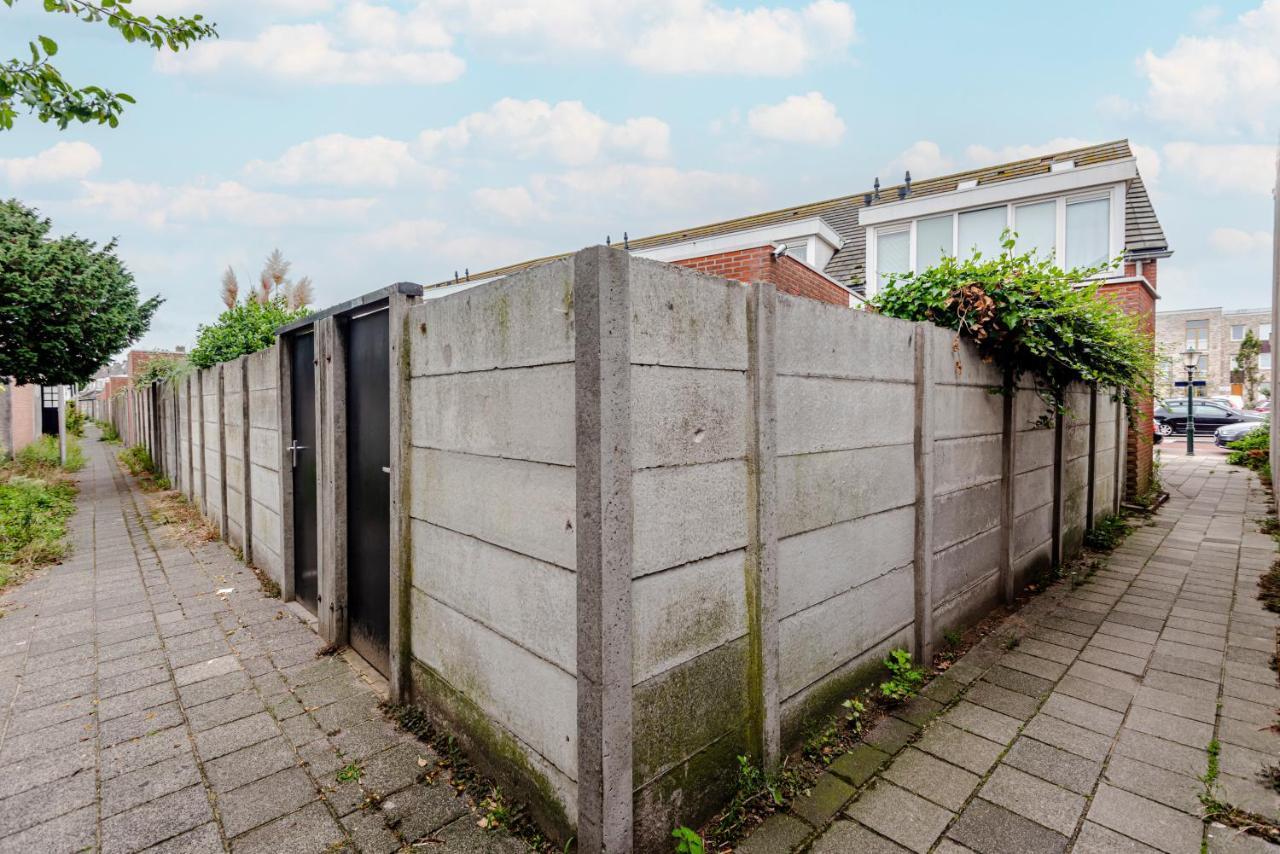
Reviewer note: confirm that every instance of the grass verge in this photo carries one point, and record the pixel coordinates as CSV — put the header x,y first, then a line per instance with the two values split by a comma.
x,y
36,500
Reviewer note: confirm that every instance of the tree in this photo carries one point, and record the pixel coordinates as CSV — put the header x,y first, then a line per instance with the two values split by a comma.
x,y
66,305
1247,363
39,86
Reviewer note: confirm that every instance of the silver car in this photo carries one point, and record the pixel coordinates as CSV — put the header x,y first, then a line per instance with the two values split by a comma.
x,y
1229,433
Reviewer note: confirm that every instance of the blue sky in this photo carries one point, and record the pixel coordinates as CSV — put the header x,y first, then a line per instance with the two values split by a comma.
x,y
375,142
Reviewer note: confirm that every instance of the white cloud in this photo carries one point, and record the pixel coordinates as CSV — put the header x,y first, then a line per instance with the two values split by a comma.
x,y
310,54
224,203
707,38
60,162
924,159
1220,82
512,203
664,36
1235,241
372,24
346,161
1237,168
810,119
436,243
566,132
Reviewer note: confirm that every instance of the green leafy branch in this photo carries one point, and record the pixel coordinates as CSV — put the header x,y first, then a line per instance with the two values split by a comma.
x,y
39,86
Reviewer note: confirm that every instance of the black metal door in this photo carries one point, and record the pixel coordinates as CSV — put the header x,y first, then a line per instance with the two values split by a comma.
x,y
301,456
369,488
49,410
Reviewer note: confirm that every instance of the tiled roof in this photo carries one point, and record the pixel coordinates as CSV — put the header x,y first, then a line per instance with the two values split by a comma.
x,y
1143,235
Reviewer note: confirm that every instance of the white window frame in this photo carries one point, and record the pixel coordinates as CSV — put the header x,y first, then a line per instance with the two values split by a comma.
x,y
1244,330
1116,193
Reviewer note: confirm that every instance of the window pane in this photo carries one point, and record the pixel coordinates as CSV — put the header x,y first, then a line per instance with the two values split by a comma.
x,y
893,254
1264,332
1197,335
933,241
1237,333
1037,228
980,230
1088,233
1264,361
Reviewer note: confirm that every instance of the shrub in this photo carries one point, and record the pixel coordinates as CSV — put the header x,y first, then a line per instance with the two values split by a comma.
x,y
1030,317
42,456
1107,533
75,420
137,460
160,369
1253,451
109,433
242,329
33,516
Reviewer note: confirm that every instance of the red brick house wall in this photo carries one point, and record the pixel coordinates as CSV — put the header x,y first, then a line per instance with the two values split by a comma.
x,y
25,400
758,265
1138,299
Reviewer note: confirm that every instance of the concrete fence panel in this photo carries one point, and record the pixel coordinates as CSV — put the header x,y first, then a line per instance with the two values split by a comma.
x,y
266,543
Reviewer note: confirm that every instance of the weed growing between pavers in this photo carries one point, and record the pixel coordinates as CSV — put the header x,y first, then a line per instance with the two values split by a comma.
x,y
1218,810
137,460
109,433
497,811
904,679
1107,533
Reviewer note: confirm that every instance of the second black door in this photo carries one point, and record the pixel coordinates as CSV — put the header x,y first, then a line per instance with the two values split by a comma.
x,y
369,488
301,457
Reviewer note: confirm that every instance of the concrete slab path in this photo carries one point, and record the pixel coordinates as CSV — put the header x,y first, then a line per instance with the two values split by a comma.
x,y
152,698
1091,733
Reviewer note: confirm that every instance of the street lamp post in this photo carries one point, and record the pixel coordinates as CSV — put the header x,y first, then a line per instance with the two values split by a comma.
x,y
1191,358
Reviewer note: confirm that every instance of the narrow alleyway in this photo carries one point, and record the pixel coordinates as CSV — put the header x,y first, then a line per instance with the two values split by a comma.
x,y
153,699
1089,733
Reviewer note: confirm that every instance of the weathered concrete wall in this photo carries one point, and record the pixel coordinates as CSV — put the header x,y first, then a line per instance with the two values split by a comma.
x,y
196,431
267,543
492,533
968,435
182,482
1033,483
691,498
846,495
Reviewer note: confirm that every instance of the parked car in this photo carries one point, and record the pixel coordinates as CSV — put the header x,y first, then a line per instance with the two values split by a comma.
x,y
1171,415
1263,407
1157,432
1224,436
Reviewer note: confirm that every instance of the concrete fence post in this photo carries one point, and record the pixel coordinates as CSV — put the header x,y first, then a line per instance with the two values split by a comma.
x,y
190,486
401,546
602,381
762,533
198,414
1059,485
221,403
1092,477
331,464
1008,485
924,476
1122,423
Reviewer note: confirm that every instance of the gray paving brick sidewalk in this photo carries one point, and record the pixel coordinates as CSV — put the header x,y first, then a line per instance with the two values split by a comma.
x,y
1091,733
153,699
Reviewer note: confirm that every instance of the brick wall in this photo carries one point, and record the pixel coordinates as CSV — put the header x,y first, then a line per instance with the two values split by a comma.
x,y
758,265
1135,298
24,413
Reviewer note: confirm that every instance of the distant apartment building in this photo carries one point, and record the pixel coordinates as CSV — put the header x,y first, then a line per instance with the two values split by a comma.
x,y
1216,333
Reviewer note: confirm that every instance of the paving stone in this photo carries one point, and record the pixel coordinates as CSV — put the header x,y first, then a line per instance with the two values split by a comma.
x,y
75,831
395,768
946,785
1167,787
250,763
1048,650
224,710
1096,839
372,836
310,829
463,837
780,833
918,711
146,784
1002,700
842,837
1035,666
1196,708
419,811
264,800
984,722
230,737
141,723
1016,680
45,802
958,747
155,821
1054,764
1082,713
943,689
823,801
900,815
199,840
1068,736
1179,758
858,765
890,734
1033,798
990,829
1145,820
1170,727
148,750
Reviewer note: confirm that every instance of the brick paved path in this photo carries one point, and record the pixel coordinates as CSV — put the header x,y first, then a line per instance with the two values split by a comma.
x,y
143,709
1089,735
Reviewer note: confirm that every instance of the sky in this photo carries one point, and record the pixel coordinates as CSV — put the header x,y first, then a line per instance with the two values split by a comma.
x,y
377,142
